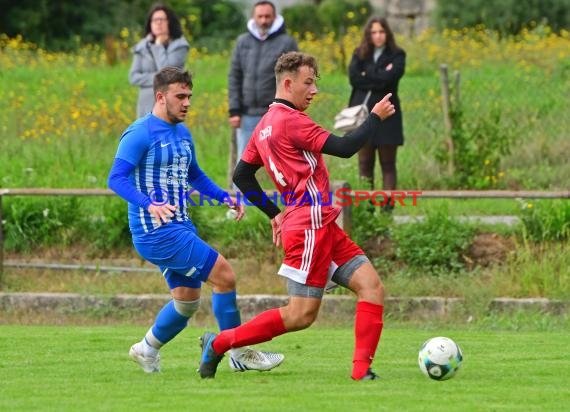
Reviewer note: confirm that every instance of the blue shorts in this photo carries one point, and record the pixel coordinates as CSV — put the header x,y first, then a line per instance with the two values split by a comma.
x,y
184,258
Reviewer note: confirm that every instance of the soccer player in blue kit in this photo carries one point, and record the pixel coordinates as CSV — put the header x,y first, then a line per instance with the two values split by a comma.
x,y
154,167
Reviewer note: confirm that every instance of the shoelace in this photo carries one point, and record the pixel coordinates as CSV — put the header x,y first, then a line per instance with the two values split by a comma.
x,y
252,356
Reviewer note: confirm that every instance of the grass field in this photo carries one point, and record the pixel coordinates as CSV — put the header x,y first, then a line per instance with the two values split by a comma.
x,y
88,369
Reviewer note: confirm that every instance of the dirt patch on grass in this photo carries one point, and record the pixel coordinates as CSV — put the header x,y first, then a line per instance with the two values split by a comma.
x,y
487,249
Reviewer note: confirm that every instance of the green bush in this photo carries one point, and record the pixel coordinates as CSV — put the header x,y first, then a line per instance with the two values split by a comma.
x,y
302,18
435,244
211,24
329,16
480,143
505,16
338,15
62,25
30,223
107,228
368,223
546,220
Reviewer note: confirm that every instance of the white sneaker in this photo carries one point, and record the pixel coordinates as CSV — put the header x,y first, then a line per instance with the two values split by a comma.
x,y
149,364
245,359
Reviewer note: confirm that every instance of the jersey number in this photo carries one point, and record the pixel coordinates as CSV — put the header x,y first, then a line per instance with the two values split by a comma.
x,y
278,175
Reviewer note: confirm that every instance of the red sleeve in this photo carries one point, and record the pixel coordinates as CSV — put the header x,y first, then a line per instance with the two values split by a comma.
x,y
251,154
305,134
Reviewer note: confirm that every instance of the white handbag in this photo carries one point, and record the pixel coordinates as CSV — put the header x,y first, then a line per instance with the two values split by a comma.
x,y
351,117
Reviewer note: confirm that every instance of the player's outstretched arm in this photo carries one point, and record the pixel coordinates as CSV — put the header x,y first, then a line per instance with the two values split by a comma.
x,y
352,142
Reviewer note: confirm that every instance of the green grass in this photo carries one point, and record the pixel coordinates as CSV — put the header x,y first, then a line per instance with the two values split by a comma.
x,y
537,160
87,369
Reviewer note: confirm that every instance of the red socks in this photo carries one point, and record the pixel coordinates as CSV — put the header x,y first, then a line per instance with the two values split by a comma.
x,y
269,324
261,328
367,329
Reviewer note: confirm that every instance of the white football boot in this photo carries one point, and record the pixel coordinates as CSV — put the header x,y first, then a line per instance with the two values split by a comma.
x,y
247,359
150,364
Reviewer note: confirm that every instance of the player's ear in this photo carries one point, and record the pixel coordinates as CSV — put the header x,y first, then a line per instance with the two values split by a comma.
x,y
287,82
159,97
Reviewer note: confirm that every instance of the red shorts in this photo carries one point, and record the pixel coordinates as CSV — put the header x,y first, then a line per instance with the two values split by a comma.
x,y
312,255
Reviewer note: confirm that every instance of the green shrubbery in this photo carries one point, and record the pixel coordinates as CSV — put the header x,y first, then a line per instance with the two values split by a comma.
x,y
35,222
546,220
329,16
62,25
504,16
39,222
436,244
480,143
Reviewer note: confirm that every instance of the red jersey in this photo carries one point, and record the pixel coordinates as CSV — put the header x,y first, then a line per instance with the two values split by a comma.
x,y
288,143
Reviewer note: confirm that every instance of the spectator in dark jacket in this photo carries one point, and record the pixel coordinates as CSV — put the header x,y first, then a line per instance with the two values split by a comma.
x,y
377,66
251,80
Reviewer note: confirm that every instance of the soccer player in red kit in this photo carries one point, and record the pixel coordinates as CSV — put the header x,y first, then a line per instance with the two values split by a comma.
x,y
290,146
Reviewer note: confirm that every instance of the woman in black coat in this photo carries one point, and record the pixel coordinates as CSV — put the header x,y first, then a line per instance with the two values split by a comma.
x,y
377,65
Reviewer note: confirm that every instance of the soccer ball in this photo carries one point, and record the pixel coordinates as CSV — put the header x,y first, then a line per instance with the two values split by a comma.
x,y
440,358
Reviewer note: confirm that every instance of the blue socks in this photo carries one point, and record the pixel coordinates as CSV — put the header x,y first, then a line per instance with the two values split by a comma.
x,y
168,324
225,310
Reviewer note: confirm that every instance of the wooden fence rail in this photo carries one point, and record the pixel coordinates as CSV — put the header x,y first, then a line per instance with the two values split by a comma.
x,y
344,218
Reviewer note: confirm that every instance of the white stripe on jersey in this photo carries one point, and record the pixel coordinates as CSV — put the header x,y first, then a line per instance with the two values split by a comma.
x,y
316,215
141,210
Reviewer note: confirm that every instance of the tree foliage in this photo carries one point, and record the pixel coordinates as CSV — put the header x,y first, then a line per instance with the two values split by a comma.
x,y
505,16
328,16
63,25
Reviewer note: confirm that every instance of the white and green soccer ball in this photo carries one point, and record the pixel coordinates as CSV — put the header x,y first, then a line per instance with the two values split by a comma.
x,y
440,358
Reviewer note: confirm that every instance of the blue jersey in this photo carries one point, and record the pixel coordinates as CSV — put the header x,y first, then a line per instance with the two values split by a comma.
x,y
165,166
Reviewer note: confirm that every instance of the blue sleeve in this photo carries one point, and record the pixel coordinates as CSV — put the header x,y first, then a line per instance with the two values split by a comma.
x,y
120,184
202,183
134,143
132,147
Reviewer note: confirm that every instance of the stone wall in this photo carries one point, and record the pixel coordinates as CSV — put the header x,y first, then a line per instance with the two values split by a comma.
x,y
70,308
406,17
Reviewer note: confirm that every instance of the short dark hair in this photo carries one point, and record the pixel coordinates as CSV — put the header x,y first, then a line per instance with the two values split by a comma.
x,y
265,3
174,26
171,75
291,62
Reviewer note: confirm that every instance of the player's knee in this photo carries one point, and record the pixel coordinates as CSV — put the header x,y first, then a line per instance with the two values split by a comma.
x,y
186,308
372,291
378,290
222,275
